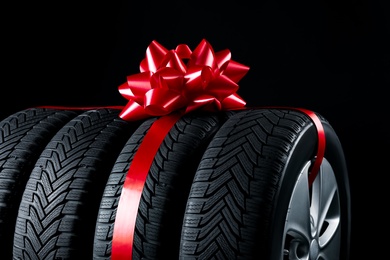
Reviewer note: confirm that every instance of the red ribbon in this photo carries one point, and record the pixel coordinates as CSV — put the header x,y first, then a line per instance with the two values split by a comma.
x,y
80,108
170,84
122,244
321,144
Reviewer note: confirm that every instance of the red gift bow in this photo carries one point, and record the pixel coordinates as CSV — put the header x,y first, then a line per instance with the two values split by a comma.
x,y
166,83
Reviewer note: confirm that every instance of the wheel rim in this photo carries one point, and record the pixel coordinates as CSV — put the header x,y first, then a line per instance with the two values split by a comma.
x,y
312,228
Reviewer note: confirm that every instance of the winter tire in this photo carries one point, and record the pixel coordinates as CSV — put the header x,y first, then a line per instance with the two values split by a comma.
x,y
23,136
57,215
251,198
160,213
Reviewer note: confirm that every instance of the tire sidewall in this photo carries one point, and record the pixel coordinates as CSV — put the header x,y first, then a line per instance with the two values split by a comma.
x,y
304,150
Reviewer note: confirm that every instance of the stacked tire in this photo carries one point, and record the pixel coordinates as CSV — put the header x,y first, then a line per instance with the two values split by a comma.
x,y
222,185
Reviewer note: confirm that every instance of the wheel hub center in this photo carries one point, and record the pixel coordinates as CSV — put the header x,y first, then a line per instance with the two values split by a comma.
x,y
314,249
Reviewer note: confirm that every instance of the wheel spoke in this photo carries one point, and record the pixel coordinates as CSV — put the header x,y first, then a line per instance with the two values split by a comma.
x,y
328,201
323,191
298,216
332,249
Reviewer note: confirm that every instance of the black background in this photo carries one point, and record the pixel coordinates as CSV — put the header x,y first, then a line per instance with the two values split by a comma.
x,y
331,57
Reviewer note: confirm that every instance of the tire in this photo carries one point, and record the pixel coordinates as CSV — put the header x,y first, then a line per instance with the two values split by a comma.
x,y
57,215
250,198
162,203
23,136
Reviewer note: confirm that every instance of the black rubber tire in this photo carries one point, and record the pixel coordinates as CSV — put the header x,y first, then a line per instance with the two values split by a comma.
x,y
160,213
57,215
239,200
23,136
108,207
